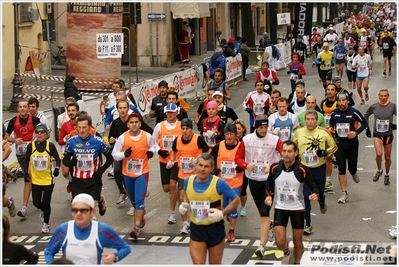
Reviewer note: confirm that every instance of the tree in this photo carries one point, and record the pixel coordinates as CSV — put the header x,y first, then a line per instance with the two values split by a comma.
x,y
247,26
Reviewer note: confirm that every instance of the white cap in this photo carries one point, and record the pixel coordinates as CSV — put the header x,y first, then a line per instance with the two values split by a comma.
x,y
331,29
85,198
217,93
364,30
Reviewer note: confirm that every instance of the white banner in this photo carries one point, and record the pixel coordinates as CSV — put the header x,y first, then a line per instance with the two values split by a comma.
x,y
283,18
109,45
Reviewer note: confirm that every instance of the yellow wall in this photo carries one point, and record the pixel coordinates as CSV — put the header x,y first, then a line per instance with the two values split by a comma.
x,y
30,39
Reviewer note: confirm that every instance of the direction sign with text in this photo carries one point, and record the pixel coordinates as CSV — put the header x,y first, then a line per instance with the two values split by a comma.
x,y
156,16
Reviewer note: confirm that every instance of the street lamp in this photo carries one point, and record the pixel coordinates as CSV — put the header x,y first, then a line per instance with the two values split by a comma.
x,y
17,81
130,64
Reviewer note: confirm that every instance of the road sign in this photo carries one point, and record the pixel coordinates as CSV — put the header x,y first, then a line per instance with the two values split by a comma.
x,y
156,16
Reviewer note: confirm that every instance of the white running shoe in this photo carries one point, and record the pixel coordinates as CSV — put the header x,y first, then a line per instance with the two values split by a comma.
x,y
41,216
172,217
131,211
121,199
23,211
185,230
343,199
45,228
11,209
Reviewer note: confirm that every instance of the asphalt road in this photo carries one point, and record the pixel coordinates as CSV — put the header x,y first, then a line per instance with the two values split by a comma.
x,y
363,219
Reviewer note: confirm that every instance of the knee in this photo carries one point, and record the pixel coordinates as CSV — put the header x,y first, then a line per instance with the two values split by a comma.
x,y
378,155
280,242
388,158
166,188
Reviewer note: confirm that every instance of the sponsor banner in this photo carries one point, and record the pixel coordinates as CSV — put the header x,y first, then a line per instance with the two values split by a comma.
x,y
233,67
303,19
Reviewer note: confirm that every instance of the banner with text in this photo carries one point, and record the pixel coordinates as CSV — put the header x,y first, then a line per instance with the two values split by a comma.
x,y
303,19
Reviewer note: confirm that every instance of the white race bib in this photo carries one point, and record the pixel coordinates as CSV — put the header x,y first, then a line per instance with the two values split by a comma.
x,y
327,118
40,162
21,149
382,126
85,162
340,56
342,129
228,169
186,164
286,195
167,141
258,109
260,168
327,64
283,133
200,210
294,77
135,166
311,158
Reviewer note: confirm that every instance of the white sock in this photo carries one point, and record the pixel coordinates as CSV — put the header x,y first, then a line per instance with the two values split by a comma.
x,y
328,178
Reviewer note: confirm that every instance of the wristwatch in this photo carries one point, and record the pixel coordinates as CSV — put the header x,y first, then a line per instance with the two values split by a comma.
x,y
116,258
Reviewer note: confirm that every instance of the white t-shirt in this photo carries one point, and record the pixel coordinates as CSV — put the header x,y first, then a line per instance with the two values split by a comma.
x,y
364,62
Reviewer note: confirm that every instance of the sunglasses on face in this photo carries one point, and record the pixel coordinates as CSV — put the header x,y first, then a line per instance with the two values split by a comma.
x,y
39,132
83,211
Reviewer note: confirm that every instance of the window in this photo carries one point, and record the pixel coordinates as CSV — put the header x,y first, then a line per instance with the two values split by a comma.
x,y
24,15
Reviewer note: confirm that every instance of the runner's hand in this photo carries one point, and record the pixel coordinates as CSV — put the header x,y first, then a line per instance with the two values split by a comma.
x,y
368,132
184,207
215,215
128,152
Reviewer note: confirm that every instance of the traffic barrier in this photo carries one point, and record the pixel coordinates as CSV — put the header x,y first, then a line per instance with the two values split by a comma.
x,y
41,97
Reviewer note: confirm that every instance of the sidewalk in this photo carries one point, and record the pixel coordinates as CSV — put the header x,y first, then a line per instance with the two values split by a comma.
x,y
143,74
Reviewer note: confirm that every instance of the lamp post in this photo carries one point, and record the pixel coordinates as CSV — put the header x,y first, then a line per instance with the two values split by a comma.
x,y
17,81
130,63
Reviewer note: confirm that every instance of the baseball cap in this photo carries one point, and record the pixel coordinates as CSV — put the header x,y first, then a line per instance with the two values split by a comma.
x,y
217,93
133,114
364,30
42,126
70,99
171,86
336,78
325,44
331,29
85,198
230,127
171,108
187,122
340,40
163,83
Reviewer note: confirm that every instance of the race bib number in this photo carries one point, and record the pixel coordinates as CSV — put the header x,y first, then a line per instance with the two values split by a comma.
x,y
311,158
362,67
342,129
284,133
286,195
382,126
258,109
211,142
228,169
294,77
167,141
340,56
260,168
40,162
135,166
327,64
327,118
186,164
300,52
85,162
200,210
21,149
385,46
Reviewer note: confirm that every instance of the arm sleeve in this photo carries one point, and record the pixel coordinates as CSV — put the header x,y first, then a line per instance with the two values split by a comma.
x,y
303,70
233,115
117,152
309,180
28,255
54,154
108,117
270,181
279,146
134,108
240,156
27,156
155,135
275,78
62,135
202,144
109,238
151,142
363,121
222,187
55,243
215,152
10,126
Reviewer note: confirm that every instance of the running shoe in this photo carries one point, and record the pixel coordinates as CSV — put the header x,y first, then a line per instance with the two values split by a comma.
x,y
243,212
343,199
323,207
23,212
288,258
41,216
270,234
377,176
367,96
111,173
231,237
385,72
308,230
130,212
11,209
386,180
328,186
260,251
45,228
69,187
354,86
185,230
172,217
121,199
134,233
355,178
101,206
362,102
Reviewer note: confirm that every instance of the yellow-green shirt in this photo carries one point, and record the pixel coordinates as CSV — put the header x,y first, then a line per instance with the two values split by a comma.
x,y
310,141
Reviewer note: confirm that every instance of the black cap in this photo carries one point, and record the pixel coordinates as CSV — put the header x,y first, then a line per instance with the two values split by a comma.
x,y
163,83
300,82
230,127
187,122
343,96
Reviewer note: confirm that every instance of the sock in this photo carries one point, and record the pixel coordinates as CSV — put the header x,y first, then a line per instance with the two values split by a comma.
x,y
328,178
287,252
345,192
137,227
231,231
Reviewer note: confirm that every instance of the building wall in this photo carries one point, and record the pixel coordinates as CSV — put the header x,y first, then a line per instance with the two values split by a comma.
x,y
30,39
223,19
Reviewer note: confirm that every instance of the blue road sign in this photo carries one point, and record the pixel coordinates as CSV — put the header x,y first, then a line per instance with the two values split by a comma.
x,y
156,16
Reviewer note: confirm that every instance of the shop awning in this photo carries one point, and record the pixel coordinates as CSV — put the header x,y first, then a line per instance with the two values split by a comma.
x,y
190,10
